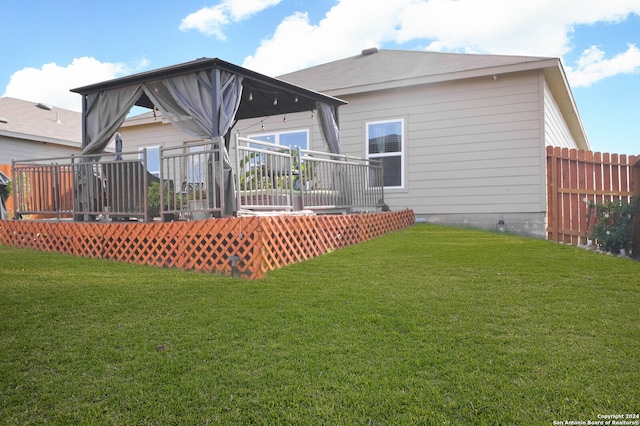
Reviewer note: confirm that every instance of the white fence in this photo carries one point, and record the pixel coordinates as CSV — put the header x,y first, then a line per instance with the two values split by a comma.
x,y
275,177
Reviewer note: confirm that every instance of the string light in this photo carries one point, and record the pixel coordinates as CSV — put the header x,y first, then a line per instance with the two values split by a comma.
x,y
295,99
275,101
284,119
250,95
313,114
250,126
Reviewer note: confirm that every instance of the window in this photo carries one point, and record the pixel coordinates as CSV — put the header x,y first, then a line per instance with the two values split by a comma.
x,y
297,139
153,160
385,143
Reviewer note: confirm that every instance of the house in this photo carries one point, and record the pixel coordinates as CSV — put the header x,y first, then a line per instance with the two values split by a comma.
x,y
462,137
36,130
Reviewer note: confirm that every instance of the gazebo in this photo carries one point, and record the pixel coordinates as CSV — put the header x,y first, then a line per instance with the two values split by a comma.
x,y
204,98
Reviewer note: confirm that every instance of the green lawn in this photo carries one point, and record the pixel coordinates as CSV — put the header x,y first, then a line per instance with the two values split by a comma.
x,y
429,325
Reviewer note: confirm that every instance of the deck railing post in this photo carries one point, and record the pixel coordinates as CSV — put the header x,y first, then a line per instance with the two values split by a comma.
x,y
145,199
237,170
14,177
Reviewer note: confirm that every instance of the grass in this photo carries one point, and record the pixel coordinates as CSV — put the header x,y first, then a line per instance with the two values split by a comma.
x,y
429,325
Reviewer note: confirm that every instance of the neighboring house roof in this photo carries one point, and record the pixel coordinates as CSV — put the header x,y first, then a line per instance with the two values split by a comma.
x,y
384,69
32,121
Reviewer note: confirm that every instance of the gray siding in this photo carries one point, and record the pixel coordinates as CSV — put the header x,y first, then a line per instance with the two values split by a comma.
x,y
472,147
152,133
21,149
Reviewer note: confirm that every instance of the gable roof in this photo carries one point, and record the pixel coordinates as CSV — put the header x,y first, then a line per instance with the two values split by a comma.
x,y
31,121
384,69
374,67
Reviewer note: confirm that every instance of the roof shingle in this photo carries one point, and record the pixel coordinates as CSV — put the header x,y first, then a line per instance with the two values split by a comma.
x,y
24,119
394,65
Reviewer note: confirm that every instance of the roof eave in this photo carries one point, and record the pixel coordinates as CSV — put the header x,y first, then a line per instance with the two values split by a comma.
x,y
203,64
551,67
41,139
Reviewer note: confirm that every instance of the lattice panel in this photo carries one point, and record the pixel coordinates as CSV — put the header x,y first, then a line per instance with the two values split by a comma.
x,y
291,239
247,247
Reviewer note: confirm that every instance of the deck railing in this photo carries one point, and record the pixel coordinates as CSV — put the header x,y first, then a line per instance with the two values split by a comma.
x,y
337,182
275,177
194,182
264,175
83,187
191,180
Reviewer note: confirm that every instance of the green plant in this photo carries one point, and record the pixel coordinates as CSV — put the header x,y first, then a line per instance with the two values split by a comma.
x,y
8,188
306,171
255,172
252,173
613,223
153,198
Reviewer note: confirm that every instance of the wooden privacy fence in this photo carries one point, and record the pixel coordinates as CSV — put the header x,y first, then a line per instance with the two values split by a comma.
x,y
248,247
575,178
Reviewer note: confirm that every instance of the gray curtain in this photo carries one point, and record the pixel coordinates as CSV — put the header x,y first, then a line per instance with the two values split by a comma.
x,y
4,215
163,99
4,182
105,112
328,117
203,104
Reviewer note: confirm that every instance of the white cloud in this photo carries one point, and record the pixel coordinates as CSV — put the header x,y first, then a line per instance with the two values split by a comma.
x,y
243,9
593,66
52,83
535,28
208,20
211,20
348,27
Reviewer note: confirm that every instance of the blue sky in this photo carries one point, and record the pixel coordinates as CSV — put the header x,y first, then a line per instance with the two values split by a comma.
x,y
52,46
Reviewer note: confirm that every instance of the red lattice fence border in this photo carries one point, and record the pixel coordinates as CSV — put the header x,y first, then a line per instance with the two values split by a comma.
x,y
248,247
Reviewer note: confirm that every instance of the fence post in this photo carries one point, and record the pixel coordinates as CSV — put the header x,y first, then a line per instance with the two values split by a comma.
x,y
14,190
145,200
552,196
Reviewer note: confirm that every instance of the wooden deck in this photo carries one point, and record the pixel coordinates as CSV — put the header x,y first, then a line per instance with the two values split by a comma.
x,y
245,247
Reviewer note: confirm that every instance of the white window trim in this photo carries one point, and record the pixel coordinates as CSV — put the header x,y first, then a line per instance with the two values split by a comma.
x,y
141,156
389,154
282,132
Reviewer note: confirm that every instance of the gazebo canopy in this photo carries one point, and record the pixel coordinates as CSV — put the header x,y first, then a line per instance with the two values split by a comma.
x,y
259,91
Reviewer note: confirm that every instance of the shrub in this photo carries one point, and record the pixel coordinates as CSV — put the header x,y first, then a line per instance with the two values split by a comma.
x,y
613,223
